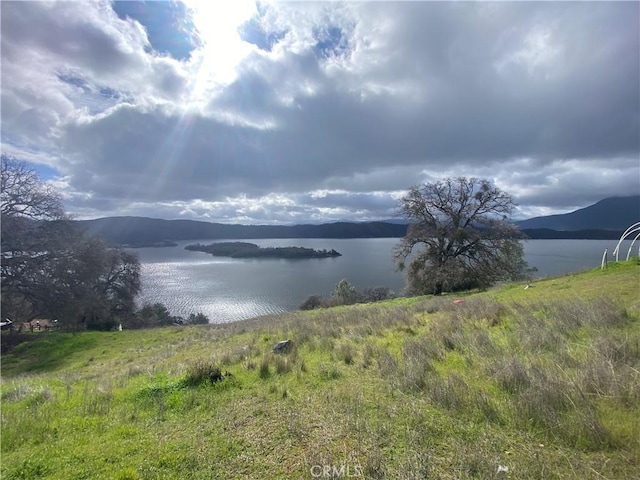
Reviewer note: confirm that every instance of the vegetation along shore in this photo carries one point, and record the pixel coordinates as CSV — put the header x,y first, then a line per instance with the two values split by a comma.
x,y
514,382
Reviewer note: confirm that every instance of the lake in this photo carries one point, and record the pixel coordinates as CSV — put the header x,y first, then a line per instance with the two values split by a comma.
x,y
228,289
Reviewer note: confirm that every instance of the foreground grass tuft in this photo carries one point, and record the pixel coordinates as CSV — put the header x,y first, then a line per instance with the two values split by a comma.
x,y
201,372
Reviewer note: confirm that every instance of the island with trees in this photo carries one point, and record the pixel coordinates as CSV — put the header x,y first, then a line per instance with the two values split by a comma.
x,y
251,250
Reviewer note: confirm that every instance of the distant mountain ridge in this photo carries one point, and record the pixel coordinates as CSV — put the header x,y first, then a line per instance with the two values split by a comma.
x,y
613,213
143,230
606,219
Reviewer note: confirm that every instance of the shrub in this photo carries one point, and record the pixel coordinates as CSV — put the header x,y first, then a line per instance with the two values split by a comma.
x,y
200,372
155,315
345,292
197,319
376,294
311,303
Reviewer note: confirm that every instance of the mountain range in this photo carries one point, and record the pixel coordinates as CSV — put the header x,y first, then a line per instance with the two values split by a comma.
x,y
606,219
614,213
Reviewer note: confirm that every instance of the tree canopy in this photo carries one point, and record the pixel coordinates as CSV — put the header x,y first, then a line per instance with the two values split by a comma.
x,y
23,195
50,268
459,237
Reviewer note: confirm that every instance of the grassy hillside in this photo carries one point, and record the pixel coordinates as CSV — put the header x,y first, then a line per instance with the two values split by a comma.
x,y
538,382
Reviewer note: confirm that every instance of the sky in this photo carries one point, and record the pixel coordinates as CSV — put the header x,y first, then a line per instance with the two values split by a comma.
x,y
313,112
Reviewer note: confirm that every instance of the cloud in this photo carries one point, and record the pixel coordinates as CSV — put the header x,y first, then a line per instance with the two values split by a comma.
x,y
331,109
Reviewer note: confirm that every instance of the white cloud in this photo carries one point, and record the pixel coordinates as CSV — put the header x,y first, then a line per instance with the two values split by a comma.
x,y
358,100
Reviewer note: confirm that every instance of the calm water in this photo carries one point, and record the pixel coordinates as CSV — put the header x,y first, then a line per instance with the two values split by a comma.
x,y
227,289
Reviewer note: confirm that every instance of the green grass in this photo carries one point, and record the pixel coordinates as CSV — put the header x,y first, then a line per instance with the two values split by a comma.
x,y
544,381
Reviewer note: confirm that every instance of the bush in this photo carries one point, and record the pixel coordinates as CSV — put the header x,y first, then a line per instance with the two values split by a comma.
x,y
345,292
376,294
202,371
156,315
198,319
314,301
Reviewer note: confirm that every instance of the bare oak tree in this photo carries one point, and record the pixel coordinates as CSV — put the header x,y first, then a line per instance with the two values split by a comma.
x,y
22,194
49,268
467,239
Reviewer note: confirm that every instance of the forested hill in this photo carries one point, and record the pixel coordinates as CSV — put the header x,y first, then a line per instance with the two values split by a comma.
x,y
605,220
146,231
140,231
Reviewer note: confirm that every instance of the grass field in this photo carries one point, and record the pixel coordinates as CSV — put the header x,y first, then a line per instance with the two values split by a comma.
x,y
522,383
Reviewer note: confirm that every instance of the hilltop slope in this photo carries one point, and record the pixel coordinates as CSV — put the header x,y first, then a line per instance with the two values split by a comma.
x,y
542,382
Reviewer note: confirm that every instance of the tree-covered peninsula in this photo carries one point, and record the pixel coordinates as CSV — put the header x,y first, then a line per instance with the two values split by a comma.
x,y
251,250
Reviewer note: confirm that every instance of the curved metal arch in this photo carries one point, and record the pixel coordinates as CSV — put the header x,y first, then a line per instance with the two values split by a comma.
x,y
632,229
604,260
631,246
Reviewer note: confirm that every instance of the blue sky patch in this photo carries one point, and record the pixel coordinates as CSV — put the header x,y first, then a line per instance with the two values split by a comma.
x,y
109,93
332,42
94,97
75,81
168,25
252,32
44,172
